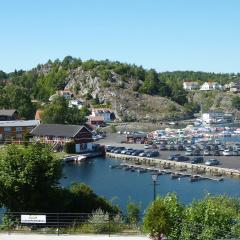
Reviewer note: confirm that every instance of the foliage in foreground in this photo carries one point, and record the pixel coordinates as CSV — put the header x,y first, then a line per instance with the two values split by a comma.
x,y
29,179
207,219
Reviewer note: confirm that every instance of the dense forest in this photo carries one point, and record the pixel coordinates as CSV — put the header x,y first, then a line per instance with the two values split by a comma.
x,y
19,88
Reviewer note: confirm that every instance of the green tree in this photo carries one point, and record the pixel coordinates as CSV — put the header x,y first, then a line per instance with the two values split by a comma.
x,y
151,83
163,217
133,212
58,112
212,218
18,98
27,177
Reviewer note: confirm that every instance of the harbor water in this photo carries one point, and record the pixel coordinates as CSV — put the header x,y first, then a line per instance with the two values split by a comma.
x,y
119,185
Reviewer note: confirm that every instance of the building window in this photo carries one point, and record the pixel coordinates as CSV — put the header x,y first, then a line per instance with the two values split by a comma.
x,y
18,129
7,129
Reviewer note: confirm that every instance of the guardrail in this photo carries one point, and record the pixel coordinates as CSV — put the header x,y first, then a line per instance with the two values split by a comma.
x,y
68,223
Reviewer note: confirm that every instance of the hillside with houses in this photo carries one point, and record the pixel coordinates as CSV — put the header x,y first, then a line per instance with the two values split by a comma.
x,y
99,92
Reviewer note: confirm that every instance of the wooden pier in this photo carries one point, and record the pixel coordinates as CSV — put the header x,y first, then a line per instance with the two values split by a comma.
x,y
210,172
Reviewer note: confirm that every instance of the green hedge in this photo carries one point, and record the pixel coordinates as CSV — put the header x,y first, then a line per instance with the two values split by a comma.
x,y
69,147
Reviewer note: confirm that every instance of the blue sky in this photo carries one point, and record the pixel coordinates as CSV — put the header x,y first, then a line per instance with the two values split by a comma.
x,y
166,35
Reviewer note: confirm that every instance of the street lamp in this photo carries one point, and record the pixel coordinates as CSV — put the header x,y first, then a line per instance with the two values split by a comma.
x,y
154,178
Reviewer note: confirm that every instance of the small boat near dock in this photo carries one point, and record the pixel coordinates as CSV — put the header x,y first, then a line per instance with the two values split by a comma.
x,y
74,158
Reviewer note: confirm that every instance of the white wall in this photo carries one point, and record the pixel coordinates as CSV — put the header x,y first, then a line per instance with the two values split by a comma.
x,y
83,147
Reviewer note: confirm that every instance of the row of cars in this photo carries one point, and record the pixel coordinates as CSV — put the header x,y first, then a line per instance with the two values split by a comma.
x,y
132,152
195,160
199,149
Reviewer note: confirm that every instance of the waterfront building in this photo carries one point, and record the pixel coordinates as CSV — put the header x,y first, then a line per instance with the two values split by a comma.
x,y
60,134
15,130
136,138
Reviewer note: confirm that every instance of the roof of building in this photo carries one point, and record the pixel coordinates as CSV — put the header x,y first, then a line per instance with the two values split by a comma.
x,y
19,123
57,130
191,83
101,110
7,112
96,118
211,83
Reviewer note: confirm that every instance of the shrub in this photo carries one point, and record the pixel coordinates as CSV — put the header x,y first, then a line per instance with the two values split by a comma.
x,y
133,212
69,147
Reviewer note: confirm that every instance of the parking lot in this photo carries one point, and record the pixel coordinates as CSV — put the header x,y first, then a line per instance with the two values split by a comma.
x,y
232,162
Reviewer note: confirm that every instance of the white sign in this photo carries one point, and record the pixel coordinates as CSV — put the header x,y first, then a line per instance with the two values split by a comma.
x,y
33,219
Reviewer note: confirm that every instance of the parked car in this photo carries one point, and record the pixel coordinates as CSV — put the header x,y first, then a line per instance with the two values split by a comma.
x,y
180,148
162,147
181,158
188,153
196,152
212,162
109,148
171,147
227,152
206,152
216,153
236,153
172,156
147,146
153,154
137,152
143,154
129,152
188,148
118,149
197,160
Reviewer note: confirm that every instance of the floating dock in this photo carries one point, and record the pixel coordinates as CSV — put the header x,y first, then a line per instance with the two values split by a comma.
x,y
174,174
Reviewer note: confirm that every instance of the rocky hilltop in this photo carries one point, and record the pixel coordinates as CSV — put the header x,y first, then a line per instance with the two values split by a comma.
x,y
128,104
132,92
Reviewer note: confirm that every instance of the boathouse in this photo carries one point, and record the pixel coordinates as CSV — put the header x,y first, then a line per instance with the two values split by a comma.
x,y
60,133
136,138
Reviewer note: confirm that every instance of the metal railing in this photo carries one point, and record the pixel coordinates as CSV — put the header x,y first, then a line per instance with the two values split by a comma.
x,y
68,223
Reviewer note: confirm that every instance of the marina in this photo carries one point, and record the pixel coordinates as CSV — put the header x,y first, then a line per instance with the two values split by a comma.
x,y
118,185
174,174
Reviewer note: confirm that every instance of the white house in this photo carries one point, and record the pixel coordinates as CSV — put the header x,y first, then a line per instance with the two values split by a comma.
x,y
228,85
190,85
76,102
235,87
210,86
103,112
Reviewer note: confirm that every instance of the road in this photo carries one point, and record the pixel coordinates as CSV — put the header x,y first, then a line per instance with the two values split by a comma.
x,y
232,162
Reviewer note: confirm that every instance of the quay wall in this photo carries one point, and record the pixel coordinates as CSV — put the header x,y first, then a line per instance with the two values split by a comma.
x,y
195,168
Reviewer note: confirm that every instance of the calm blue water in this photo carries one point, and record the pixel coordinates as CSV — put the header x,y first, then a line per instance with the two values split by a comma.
x,y
118,185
